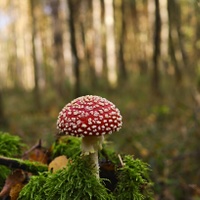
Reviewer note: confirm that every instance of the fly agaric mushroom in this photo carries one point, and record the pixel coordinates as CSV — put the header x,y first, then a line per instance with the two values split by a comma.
x,y
90,117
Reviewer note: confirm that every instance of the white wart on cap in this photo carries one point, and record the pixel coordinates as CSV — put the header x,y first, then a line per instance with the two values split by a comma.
x,y
89,116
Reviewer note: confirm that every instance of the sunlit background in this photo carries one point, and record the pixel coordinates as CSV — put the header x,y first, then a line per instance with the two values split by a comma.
x,y
143,55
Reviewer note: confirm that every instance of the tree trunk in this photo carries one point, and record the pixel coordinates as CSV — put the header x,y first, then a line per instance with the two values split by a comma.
x,y
196,61
3,121
173,57
58,48
156,53
122,67
97,38
178,23
103,42
75,59
35,63
134,14
110,43
172,48
88,43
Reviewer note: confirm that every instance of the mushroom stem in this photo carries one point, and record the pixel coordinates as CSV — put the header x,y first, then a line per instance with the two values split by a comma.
x,y
95,162
90,146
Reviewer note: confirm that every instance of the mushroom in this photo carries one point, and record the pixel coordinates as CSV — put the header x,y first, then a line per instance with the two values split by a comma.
x,y
90,117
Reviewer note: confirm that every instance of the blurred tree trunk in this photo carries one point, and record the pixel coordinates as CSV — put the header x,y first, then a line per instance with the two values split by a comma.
x,y
103,42
134,13
88,39
3,120
164,35
122,65
178,22
45,44
35,63
76,62
97,37
156,53
58,48
173,57
173,37
14,65
110,43
196,60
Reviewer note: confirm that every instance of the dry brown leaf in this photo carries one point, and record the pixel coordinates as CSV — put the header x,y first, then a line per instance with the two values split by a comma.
x,y
15,190
16,177
39,155
58,163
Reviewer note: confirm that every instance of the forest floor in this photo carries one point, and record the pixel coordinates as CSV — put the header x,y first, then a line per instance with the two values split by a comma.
x,y
163,131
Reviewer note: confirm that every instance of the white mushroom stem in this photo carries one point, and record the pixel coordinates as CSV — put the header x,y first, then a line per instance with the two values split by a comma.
x,y
95,162
90,146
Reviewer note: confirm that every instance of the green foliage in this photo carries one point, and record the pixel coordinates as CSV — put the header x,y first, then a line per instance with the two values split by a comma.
x,y
68,146
34,189
31,166
75,182
107,153
134,182
10,145
3,175
161,112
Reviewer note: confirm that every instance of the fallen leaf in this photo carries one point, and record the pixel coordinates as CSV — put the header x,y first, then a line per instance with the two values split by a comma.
x,y
17,176
58,163
15,190
39,155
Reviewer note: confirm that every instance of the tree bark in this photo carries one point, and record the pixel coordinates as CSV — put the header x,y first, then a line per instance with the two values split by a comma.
x,y
134,14
122,65
3,120
58,48
35,62
196,62
75,57
172,47
178,23
88,42
110,43
103,43
156,53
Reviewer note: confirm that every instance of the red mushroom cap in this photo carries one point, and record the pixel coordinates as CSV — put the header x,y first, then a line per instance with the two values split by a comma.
x,y
89,115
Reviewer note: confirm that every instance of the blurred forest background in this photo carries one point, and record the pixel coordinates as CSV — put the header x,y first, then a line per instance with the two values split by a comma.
x,y
143,55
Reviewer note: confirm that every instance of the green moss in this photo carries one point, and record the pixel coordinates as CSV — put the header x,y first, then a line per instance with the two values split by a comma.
x,y
133,180
108,154
68,146
77,182
4,172
33,167
10,145
34,189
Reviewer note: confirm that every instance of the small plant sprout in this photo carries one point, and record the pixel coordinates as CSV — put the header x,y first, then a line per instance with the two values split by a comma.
x,y
90,117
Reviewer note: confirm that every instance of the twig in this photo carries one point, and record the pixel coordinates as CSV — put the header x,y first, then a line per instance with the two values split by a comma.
x,y
121,161
37,145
